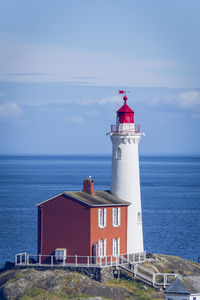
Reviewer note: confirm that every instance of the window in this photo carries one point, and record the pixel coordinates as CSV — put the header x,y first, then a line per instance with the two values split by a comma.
x,y
60,254
116,216
119,153
139,217
102,248
102,215
116,247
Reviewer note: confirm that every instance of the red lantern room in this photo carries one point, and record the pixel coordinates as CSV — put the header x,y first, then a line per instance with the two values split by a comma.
x,y
125,114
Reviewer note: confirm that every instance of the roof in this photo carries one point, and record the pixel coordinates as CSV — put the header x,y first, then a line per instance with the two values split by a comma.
x,y
125,108
184,285
101,198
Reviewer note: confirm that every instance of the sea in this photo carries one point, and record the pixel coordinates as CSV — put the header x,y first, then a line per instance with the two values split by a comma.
x,y
170,190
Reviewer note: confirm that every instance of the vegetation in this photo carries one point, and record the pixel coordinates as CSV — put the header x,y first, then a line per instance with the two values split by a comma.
x,y
41,294
140,291
58,284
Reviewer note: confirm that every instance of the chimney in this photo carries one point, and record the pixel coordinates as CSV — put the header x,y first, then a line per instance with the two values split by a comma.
x,y
88,186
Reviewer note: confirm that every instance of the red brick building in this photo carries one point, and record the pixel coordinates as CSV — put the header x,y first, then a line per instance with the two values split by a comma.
x,y
87,223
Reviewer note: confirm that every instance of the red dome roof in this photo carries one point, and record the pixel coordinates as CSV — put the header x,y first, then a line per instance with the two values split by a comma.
x,y
125,113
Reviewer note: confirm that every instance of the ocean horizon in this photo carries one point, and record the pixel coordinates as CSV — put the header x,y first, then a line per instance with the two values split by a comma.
x,y
170,190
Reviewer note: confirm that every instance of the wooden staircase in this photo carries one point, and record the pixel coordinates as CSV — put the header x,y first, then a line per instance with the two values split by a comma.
x,y
157,280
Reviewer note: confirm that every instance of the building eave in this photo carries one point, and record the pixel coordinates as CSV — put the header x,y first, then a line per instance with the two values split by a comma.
x,y
51,198
78,199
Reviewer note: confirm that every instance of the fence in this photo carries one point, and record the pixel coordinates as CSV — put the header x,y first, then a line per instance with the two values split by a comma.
x,y
24,259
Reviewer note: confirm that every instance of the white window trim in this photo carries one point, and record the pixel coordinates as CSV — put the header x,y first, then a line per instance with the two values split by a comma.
x,y
116,216
116,247
102,247
102,217
118,153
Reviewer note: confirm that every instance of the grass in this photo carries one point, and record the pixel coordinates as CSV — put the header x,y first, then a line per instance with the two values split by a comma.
x,y
140,291
40,294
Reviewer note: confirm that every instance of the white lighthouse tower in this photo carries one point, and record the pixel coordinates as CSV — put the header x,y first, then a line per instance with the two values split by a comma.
x,y
125,178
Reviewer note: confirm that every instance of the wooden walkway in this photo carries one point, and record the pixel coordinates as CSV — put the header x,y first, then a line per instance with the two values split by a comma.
x,y
157,280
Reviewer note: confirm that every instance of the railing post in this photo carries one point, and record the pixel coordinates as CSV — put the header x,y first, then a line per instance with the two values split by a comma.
x,y
139,256
100,262
39,259
20,259
154,279
15,259
27,259
135,269
106,260
76,260
88,261
111,260
127,256
165,280
51,260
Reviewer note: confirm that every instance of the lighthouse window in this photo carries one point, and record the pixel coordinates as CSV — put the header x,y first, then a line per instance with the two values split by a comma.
x,y
139,217
116,247
102,216
119,153
116,216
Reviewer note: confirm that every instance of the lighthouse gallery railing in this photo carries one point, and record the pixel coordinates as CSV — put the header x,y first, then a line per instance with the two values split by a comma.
x,y
115,129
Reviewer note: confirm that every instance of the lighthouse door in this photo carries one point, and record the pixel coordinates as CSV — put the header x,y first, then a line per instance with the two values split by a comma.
x,y
94,253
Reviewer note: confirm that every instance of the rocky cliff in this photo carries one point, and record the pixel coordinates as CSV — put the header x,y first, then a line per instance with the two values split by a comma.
x,y
56,284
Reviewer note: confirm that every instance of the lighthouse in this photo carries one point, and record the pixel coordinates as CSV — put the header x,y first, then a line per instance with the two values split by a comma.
x,y
125,178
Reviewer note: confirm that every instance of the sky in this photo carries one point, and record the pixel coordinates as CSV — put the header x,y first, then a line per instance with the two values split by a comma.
x,y
63,62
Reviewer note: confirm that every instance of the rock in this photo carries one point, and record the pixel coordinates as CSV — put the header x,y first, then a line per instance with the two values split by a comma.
x,y
171,264
108,292
15,282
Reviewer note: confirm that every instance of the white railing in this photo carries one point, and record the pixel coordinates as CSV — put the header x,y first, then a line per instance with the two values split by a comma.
x,y
24,259
116,129
156,279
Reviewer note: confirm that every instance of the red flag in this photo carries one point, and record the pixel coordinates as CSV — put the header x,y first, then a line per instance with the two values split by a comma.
x,y
121,92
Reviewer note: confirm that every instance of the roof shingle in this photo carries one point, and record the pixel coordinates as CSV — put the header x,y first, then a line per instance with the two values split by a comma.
x,y
101,198
184,285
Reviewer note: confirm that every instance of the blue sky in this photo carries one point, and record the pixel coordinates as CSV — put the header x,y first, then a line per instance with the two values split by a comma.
x,y
62,63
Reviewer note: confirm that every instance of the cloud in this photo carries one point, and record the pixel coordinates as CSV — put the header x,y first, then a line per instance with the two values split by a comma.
x,y
92,113
187,100
190,99
28,74
10,110
34,62
112,99
75,119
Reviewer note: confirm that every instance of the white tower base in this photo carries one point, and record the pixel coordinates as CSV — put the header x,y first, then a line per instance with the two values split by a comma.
x,y
125,183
